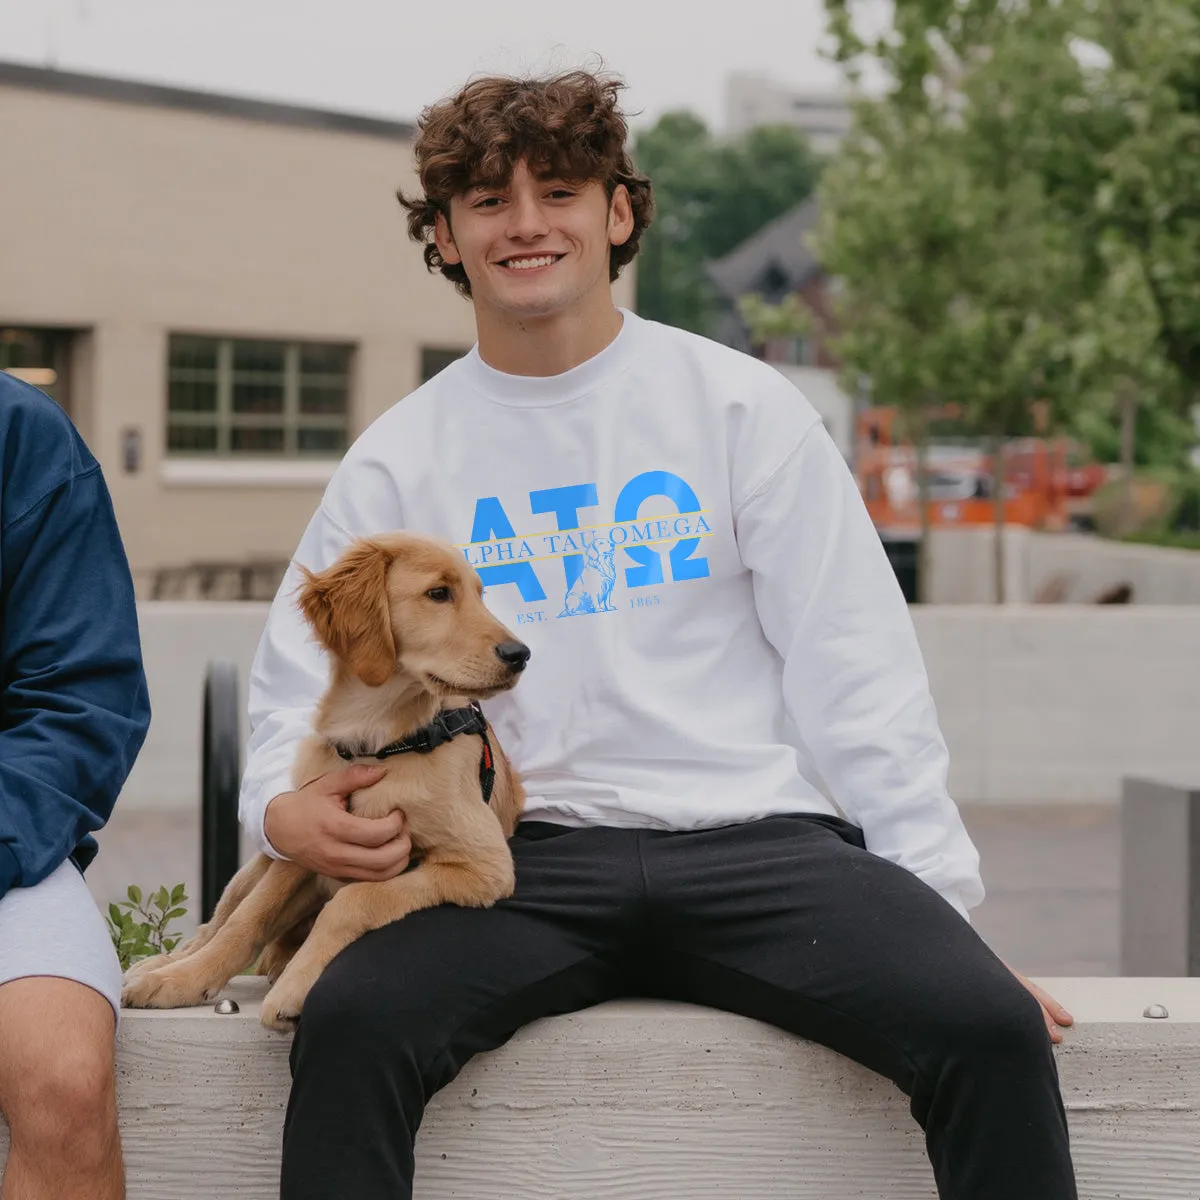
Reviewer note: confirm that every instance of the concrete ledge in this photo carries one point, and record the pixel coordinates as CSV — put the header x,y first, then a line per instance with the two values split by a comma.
x,y
653,1101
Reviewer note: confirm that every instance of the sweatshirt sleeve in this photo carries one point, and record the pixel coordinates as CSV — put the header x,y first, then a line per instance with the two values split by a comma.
x,y
288,675
853,677
75,702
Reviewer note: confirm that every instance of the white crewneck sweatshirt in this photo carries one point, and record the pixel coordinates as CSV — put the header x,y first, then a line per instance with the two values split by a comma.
x,y
717,634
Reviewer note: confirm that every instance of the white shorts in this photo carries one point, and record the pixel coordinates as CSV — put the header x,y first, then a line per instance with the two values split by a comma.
x,y
56,929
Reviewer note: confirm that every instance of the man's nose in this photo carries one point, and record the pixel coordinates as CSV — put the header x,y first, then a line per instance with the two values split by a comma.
x,y
526,218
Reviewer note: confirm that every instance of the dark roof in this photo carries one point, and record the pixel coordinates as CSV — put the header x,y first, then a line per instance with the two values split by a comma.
x,y
779,249
129,91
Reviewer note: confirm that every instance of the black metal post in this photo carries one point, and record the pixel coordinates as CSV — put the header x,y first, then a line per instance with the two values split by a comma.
x,y
221,772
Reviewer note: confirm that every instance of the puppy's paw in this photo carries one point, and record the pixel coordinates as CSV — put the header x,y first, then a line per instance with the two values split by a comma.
x,y
144,966
167,987
283,1003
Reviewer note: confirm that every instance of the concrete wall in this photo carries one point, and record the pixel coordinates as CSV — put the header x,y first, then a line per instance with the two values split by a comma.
x,y
179,640
1090,565
1059,702
961,570
1042,703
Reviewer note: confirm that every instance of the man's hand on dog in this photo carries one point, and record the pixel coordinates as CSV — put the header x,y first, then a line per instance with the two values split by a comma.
x,y
312,827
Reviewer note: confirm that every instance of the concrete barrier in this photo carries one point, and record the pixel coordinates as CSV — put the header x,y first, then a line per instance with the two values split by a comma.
x,y
1058,703
655,1101
179,639
1039,703
1158,574
961,567
1160,878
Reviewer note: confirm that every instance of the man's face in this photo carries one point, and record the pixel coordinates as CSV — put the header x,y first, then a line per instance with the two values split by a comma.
x,y
535,247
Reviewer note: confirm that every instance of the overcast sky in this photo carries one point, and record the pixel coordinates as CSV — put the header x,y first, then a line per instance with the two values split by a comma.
x,y
380,57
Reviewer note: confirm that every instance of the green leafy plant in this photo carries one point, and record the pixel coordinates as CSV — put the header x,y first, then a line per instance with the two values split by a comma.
x,y
140,927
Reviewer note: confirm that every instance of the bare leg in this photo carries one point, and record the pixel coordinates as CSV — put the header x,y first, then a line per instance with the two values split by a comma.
x,y
58,1092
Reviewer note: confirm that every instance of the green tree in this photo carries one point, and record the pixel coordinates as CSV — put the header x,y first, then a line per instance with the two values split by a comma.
x,y
1144,99
975,301
710,195
677,154
1122,171
892,232
1024,275
760,176
790,318
1126,407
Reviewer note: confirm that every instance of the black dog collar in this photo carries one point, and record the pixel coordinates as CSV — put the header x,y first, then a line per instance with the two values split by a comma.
x,y
445,727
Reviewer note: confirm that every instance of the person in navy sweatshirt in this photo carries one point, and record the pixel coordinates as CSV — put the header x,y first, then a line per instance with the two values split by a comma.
x,y
74,711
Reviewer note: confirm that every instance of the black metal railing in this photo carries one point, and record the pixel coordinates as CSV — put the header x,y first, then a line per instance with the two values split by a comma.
x,y
220,775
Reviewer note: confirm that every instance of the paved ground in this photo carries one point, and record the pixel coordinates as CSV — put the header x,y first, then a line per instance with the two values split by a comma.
x,y
1052,875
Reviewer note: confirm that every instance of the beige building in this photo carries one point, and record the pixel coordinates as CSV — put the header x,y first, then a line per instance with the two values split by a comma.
x,y
222,294
753,98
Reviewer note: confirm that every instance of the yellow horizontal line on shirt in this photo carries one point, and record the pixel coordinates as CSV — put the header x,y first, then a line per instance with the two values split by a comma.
x,y
524,537
550,557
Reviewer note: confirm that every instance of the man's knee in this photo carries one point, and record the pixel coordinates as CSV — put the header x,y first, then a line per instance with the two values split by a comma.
x,y
57,1073
348,1016
349,1030
998,1022
66,1103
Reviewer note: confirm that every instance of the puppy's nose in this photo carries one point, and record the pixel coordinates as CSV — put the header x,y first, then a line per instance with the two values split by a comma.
x,y
514,655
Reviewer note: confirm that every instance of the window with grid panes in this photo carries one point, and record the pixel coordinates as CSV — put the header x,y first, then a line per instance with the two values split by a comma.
x,y
437,358
228,397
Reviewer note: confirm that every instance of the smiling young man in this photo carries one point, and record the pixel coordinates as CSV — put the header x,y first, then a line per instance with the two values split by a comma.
x,y
736,781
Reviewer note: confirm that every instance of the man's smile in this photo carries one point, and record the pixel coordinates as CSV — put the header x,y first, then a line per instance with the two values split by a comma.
x,y
530,262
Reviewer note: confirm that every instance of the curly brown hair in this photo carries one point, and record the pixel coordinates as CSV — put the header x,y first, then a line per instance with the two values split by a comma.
x,y
566,127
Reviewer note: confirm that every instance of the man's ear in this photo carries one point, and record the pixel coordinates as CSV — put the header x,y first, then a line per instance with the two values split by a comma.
x,y
443,238
620,216
347,606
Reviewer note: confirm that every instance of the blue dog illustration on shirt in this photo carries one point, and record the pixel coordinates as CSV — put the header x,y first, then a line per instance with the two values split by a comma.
x,y
591,591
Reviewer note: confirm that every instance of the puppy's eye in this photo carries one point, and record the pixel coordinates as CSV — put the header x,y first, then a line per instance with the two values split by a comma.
x,y
440,594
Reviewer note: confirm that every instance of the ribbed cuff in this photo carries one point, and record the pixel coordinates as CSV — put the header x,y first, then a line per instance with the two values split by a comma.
x,y
254,817
10,869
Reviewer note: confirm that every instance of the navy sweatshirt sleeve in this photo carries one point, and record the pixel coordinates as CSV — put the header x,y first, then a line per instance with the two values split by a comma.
x,y
74,709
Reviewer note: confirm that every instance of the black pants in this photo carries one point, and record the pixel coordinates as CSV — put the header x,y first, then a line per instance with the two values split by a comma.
x,y
787,920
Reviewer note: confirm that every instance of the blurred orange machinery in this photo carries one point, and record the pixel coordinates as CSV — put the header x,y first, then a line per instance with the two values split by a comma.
x,y
1048,482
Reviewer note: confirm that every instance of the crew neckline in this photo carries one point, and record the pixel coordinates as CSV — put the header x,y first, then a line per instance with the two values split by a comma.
x,y
536,391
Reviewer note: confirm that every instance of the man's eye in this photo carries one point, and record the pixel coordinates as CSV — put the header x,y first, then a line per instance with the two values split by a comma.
x,y
440,594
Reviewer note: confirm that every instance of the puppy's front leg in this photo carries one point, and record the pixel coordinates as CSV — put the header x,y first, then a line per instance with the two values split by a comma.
x,y
276,902
238,888
360,907
277,954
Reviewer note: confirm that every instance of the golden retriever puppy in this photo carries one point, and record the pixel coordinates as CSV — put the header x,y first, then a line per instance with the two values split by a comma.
x,y
413,649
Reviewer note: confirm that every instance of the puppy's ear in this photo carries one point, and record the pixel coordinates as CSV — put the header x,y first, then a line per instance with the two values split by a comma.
x,y
347,606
